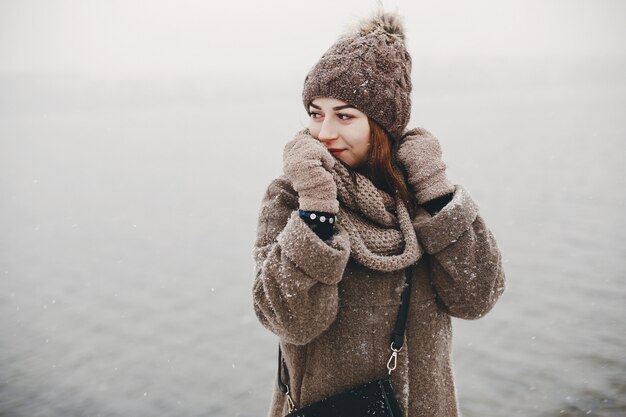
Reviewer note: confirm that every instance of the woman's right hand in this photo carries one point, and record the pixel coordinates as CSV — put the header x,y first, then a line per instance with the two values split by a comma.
x,y
307,164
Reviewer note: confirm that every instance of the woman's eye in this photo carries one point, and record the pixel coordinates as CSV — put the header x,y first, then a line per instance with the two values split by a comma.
x,y
344,116
314,115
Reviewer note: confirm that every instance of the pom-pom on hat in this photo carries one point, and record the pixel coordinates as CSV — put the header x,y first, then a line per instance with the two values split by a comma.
x,y
369,68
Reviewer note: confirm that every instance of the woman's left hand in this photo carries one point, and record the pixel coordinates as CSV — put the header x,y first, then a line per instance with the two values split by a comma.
x,y
419,154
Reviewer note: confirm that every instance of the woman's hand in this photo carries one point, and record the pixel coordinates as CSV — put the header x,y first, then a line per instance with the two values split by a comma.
x,y
419,154
307,164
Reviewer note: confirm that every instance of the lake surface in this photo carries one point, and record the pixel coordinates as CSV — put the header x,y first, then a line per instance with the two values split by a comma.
x,y
127,219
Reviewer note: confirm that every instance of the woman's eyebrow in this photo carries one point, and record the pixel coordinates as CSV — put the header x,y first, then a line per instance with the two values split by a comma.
x,y
345,106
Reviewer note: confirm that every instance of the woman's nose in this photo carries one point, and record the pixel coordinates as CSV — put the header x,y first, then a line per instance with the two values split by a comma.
x,y
328,131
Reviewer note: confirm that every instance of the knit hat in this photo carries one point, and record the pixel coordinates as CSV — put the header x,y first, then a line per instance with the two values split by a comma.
x,y
369,68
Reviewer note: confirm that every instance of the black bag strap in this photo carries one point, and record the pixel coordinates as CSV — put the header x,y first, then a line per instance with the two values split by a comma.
x,y
281,363
284,388
397,337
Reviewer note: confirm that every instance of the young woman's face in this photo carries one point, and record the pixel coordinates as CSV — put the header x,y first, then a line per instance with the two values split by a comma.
x,y
343,129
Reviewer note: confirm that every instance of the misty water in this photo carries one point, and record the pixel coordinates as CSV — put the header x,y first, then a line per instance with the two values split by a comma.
x,y
128,212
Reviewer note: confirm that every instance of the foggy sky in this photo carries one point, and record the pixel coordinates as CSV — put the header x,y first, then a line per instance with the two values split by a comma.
x,y
191,38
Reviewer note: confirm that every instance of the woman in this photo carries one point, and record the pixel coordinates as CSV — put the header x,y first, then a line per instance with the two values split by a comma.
x,y
361,200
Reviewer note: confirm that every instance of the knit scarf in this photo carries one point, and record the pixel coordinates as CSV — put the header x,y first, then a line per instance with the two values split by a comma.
x,y
379,225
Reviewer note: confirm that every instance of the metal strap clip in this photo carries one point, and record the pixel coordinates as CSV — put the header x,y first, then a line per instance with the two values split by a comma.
x,y
292,405
393,359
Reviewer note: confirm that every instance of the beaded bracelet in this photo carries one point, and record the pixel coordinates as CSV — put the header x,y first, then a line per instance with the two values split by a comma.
x,y
317,216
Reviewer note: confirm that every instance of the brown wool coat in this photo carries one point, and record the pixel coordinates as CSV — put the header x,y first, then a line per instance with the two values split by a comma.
x,y
334,316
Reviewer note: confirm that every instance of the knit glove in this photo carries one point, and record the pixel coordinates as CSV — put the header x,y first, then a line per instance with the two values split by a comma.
x,y
419,154
307,164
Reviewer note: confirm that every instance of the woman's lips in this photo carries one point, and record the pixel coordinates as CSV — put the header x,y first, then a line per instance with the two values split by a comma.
x,y
336,152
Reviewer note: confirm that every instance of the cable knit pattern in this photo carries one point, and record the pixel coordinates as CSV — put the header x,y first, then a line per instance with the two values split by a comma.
x,y
369,68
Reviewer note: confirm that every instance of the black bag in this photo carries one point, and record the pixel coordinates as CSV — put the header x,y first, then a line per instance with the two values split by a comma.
x,y
375,398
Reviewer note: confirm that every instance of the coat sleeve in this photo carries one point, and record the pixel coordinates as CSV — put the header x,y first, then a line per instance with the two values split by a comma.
x,y
465,262
295,290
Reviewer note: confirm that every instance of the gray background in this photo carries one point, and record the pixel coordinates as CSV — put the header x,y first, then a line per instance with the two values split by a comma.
x,y
137,139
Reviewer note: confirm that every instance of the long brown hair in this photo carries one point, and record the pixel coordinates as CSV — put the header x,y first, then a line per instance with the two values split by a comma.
x,y
381,169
